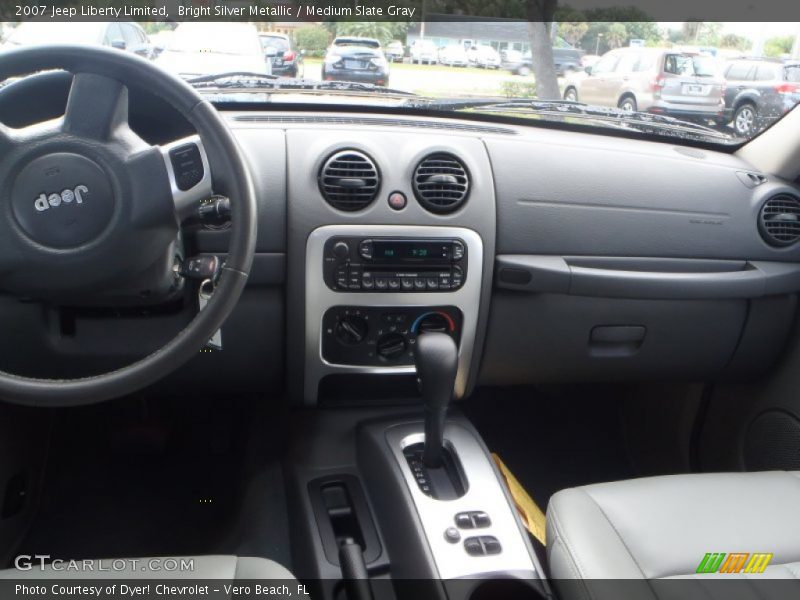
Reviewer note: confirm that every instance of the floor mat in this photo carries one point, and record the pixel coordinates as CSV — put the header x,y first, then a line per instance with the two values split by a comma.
x,y
123,484
555,439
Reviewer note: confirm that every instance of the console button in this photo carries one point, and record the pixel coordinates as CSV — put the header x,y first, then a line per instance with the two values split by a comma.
x,y
481,519
452,535
444,281
407,283
381,283
394,283
367,282
464,521
491,545
354,281
473,546
365,249
458,278
458,250
341,277
432,283
419,283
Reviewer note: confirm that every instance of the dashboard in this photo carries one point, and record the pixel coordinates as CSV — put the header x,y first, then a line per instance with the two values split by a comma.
x,y
549,256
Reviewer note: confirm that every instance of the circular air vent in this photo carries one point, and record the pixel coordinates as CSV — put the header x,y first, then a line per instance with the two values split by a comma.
x,y
349,180
779,220
441,183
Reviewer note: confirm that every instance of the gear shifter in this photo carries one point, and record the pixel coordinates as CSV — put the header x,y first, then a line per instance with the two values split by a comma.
x,y
437,363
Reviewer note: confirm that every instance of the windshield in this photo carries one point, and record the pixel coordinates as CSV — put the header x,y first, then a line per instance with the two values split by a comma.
x,y
721,83
214,38
55,33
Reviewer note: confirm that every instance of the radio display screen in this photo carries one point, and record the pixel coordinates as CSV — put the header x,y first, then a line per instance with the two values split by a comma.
x,y
390,250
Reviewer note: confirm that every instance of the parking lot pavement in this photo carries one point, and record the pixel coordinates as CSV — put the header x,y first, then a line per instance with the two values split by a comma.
x,y
438,80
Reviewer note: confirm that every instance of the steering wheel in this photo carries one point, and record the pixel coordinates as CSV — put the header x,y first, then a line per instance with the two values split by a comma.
x,y
89,210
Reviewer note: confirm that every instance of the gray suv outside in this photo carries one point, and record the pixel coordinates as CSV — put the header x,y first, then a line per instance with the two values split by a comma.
x,y
759,92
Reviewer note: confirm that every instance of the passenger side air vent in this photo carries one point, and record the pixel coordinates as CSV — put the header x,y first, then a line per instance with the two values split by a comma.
x,y
779,220
441,183
349,180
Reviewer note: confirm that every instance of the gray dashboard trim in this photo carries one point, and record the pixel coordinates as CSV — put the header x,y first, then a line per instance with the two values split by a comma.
x,y
646,279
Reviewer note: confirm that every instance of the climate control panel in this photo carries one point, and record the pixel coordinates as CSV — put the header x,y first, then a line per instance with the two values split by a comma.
x,y
380,335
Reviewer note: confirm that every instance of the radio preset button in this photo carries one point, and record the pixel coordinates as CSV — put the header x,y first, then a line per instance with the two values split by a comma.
x,y
432,283
394,283
419,283
381,283
407,283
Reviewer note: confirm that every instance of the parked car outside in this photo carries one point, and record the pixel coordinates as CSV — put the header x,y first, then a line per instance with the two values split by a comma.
x,y
196,49
356,59
121,35
759,92
566,59
453,56
656,80
395,52
484,57
278,50
510,56
424,51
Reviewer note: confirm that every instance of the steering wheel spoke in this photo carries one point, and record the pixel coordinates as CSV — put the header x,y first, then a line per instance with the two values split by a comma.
x,y
97,107
189,174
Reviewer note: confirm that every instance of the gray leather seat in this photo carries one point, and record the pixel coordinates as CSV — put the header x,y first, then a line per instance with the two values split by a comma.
x,y
662,527
203,567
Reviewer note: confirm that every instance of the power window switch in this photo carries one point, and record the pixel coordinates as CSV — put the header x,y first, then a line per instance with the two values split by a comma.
x,y
464,521
491,545
481,519
473,546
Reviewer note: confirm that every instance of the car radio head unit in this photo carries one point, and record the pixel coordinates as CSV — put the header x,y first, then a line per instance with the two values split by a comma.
x,y
394,264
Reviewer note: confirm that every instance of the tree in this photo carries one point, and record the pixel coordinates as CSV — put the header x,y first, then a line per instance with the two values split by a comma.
x,y
313,39
778,46
540,20
573,31
617,35
735,42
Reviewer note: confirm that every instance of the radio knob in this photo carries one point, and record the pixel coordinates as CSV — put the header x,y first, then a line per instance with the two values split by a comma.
x,y
351,329
391,346
341,250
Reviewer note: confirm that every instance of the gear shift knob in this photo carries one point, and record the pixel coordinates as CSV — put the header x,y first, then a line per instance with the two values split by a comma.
x,y
436,357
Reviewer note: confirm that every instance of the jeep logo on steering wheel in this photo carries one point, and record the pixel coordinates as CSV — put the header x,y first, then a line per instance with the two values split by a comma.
x,y
45,201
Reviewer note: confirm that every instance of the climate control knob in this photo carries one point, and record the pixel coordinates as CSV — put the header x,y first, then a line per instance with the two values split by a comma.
x,y
391,346
352,329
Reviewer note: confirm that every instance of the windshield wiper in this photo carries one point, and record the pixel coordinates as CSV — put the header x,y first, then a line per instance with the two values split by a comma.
x,y
231,79
642,121
273,83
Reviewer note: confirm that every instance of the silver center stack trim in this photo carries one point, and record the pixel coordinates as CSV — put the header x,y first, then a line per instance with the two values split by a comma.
x,y
319,298
484,493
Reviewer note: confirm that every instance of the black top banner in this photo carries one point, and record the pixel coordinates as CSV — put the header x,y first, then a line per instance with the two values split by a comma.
x,y
401,10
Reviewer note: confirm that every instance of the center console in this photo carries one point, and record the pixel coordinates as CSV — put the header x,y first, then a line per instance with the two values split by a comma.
x,y
371,290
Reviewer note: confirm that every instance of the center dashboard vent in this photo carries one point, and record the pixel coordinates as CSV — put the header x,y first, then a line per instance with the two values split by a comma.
x,y
349,180
779,220
441,183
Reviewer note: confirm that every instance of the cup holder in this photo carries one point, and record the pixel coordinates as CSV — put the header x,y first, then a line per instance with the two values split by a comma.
x,y
505,589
